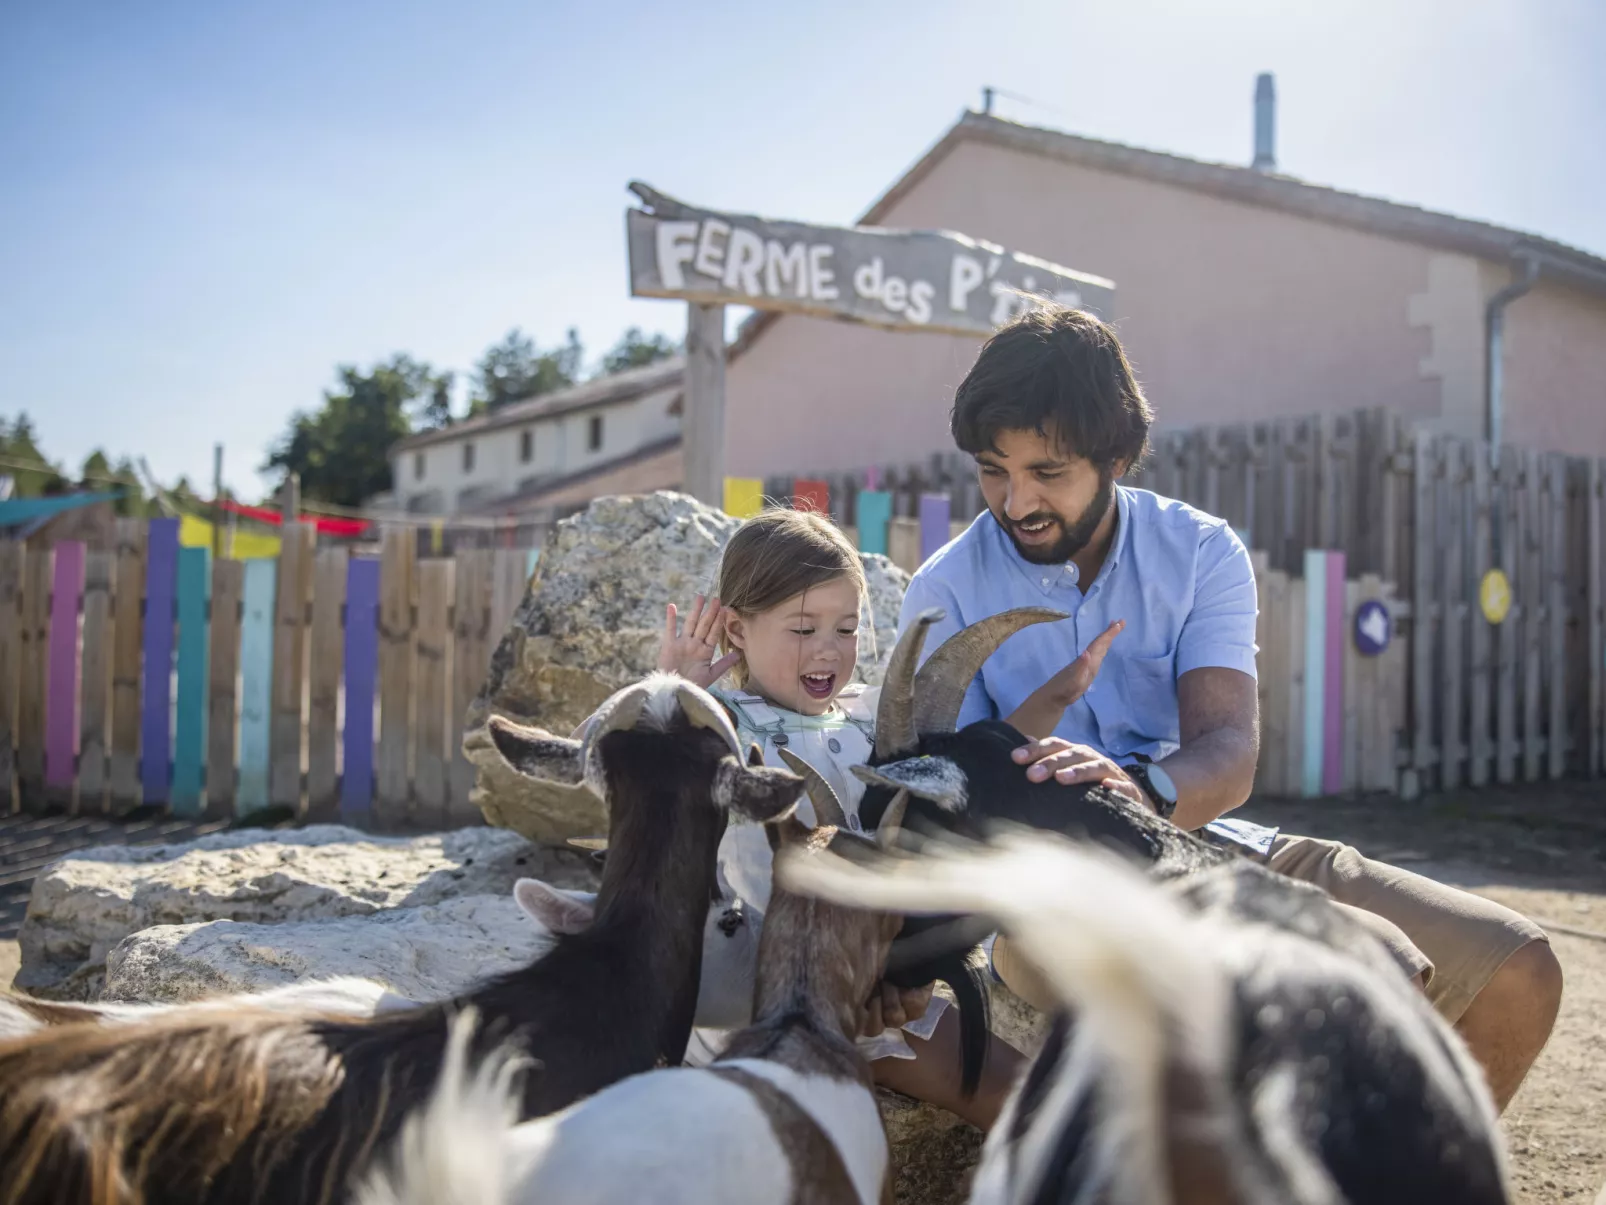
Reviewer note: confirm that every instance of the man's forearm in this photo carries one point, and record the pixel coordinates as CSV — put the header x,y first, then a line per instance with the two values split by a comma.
x,y
1213,773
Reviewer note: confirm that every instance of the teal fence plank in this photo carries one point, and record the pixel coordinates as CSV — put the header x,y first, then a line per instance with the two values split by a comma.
x,y
189,727
1315,671
874,513
256,684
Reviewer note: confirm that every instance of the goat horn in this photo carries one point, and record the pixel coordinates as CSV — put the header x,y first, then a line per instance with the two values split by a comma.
x,y
895,731
886,833
940,686
591,843
704,712
827,807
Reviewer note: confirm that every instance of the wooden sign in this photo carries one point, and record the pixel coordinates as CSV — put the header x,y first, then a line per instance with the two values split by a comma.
x,y
908,280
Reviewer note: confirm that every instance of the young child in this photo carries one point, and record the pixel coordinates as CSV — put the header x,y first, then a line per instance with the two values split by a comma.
x,y
785,626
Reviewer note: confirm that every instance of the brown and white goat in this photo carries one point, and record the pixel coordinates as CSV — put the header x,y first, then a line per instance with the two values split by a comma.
x,y
206,1106
1226,1038
787,1113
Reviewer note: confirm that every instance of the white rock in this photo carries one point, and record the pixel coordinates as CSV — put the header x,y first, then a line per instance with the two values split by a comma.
x,y
85,904
423,953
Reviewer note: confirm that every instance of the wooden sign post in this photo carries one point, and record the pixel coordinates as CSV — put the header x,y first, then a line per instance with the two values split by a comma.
x,y
901,280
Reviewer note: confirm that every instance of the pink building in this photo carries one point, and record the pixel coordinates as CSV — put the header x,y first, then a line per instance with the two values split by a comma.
x,y
1241,295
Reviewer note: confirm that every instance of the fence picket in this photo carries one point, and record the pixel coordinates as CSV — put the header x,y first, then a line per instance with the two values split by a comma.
x,y
1531,591
1595,621
471,655
12,569
95,683
1453,610
128,627
256,685
327,647
61,703
1556,745
1508,634
289,665
398,557
156,699
34,681
361,678
431,699
223,668
189,729
1479,635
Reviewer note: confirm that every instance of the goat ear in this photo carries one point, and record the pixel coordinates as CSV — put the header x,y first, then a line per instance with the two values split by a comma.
x,y
554,908
935,778
760,793
535,753
783,833
755,754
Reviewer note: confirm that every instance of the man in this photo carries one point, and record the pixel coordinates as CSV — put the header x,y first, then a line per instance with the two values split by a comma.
x,y
1164,597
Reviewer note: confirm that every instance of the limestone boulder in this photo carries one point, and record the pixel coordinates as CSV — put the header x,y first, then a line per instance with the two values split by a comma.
x,y
87,903
590,623
430,952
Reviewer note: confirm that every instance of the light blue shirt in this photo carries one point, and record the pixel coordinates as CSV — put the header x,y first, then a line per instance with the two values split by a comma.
x,y
1179,577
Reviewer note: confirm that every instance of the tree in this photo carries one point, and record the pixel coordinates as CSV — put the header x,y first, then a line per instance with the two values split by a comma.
x,y
635,349
341,450
31,474
437,411
514,369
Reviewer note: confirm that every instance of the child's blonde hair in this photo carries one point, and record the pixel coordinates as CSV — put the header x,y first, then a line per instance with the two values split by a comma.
x,y
779,554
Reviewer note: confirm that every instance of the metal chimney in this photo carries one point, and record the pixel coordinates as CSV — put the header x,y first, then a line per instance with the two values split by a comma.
x,y
1265,124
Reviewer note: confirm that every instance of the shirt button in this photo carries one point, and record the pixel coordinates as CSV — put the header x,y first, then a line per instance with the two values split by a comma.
x,y
780,738
834,745
853,823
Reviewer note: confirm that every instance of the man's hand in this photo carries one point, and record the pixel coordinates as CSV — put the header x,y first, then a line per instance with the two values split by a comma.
x,y
1067,763
893,1008
1043,709
691,653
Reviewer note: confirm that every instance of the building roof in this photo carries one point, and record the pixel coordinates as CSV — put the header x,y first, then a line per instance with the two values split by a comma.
x,y
610,390
1392,219
658,465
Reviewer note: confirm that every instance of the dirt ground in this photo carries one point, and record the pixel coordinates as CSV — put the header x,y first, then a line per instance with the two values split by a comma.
x,y
1541,850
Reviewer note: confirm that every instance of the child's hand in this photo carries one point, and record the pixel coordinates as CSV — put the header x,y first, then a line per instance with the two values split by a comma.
x,y
691,654
893,1008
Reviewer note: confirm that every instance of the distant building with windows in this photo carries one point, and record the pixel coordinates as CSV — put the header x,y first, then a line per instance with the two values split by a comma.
x,y
540,453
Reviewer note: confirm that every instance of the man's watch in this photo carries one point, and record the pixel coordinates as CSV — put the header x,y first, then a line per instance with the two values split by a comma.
x,y
1156,784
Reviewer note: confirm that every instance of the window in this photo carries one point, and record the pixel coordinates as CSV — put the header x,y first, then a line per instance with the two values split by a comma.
x,y
418,466
594,433
468,457
526,446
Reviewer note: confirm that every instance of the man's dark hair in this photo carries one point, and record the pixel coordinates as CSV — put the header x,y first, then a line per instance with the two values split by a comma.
x,y
1058,372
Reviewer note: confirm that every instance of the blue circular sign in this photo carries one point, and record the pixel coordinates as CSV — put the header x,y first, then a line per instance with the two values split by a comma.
x,y
1373,627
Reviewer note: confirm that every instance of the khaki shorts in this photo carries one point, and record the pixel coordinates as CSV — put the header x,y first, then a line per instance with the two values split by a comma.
x,y
1454,940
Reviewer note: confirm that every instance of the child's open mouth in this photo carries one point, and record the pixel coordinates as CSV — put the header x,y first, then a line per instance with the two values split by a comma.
x,y
819,686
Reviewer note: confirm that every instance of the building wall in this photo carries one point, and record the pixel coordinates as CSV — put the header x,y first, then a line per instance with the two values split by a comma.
x,y
561,446
1555,378
1231,312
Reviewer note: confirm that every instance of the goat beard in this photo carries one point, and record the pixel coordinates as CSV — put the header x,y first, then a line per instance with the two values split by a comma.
x,y
1074,536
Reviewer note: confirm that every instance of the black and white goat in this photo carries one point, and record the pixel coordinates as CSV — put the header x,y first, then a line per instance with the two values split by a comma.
x,y
787,1113
206,1105
965,781
1204,1057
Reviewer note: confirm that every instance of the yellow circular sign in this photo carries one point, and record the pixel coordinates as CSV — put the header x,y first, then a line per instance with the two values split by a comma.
x,y
1494,596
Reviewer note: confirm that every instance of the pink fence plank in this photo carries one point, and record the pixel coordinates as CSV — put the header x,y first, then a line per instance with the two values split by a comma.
x,y
61,692
1333,679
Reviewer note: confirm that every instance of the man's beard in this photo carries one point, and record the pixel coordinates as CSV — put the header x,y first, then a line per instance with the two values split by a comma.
x,y
1073,537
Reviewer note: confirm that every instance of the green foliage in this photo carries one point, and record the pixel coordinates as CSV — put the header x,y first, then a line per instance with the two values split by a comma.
x,y
341,450
31,474
515,369
635,349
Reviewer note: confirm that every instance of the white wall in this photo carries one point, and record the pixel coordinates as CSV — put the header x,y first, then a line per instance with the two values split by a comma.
x,y
560,449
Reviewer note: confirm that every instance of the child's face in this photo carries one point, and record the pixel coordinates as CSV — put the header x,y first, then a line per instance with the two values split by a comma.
x,y
801,653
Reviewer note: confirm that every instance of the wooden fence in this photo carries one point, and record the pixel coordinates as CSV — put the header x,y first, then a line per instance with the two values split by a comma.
x,y
329,684
1428,516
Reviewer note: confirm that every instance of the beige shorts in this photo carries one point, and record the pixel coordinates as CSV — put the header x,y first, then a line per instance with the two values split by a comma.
x,y
1454,940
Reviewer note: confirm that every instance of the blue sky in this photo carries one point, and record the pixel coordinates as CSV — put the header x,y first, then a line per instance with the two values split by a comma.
x,y
207,207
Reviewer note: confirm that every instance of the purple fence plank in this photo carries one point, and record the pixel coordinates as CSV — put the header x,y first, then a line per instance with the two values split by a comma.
x,y
934,517
1333,680
61,690
155,729
362,670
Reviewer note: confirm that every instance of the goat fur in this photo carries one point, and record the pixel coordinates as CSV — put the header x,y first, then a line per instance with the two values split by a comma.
x,y
787,1113
1227,1038
206,1106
